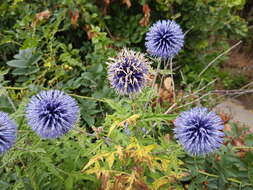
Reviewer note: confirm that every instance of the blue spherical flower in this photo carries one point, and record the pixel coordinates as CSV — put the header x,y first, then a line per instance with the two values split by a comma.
x,y
8,132
128,72
52,113
164,39
199,131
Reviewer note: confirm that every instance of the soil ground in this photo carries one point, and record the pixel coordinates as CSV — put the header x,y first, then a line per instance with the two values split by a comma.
x,y
239,108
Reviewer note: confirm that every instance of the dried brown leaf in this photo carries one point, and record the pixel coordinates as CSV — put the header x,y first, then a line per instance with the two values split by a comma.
x,y
227,128
168,84
89,31
225,118
127,2
107,2
167,137
161,91
74,18
41,16
145,20
237,142
150,79
241,154
104,180
217,158
141,185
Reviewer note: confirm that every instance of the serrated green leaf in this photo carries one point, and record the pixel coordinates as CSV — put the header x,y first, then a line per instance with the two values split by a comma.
x,y
115,105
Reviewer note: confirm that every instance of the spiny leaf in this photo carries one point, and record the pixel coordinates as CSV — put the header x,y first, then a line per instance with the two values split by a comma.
x,y
95,170
159,182
115,105
94,159
120,152
130,121
110,160
131,180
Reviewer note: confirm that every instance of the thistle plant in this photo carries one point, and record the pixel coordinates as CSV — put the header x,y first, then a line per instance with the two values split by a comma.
x,y
52,113
164,39
199,131
128,72
8,132
129,150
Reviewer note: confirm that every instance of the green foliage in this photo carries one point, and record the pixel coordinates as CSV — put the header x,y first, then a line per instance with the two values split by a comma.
x,y
229,169
143,158
233,81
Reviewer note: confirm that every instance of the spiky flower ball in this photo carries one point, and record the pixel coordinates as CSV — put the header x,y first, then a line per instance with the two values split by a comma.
x,y
52,113
199,131
128,72
164,39
8,132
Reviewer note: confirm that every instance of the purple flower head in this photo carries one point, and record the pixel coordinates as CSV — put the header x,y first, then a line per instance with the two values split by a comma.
x,y
128,72
8,132
52,113
199,131
164,39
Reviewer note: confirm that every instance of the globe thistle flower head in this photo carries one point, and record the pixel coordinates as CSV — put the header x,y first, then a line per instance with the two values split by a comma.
x,y
199,131
164,39
128,72
52,113
8,132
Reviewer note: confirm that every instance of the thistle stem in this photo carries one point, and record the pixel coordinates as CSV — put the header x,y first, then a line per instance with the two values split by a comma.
x,y
214,60
87,97
165,68
157,71
154,80
15,88
172,80
229,179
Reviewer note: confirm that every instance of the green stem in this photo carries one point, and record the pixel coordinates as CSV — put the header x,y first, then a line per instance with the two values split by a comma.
x,y
157,72
15,88
229,179
242,147
208,174
87,97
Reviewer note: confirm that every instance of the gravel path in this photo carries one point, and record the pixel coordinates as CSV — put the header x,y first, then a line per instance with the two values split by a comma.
x,y
237,112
